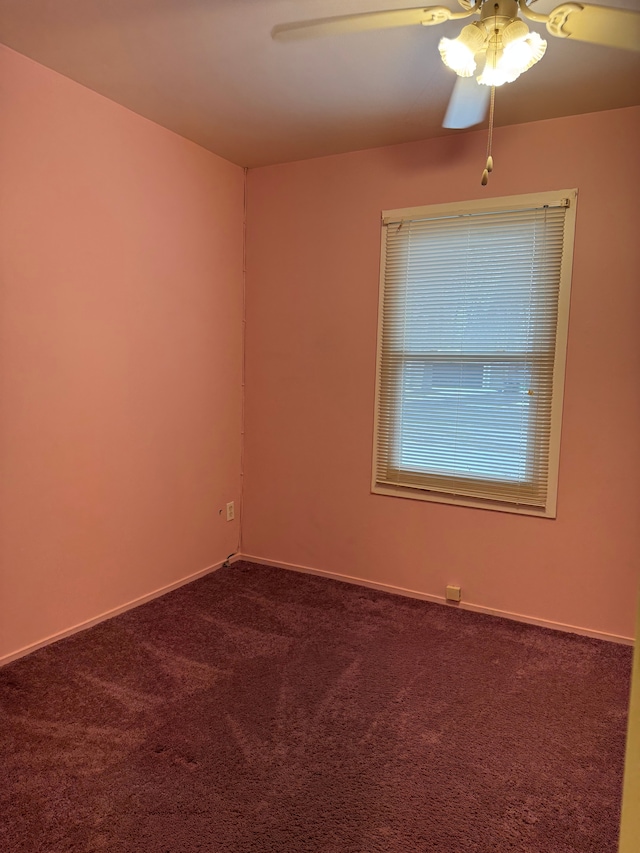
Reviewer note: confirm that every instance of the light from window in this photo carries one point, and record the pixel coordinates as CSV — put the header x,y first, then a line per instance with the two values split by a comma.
x,y
474,305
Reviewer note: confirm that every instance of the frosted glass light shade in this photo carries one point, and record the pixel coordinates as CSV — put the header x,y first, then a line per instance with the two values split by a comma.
x,y
517,50
521,54
514,31
496,72
459,54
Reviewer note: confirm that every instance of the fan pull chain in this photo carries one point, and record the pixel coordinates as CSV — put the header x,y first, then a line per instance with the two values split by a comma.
x,y
494,56
489,167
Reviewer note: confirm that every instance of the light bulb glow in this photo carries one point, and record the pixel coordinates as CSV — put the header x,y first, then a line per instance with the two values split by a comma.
x,y
457,57
517,50
497,76
459,54
523,53
496,72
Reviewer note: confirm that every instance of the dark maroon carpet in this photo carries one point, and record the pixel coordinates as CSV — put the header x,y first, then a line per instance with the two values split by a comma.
x,y
258,710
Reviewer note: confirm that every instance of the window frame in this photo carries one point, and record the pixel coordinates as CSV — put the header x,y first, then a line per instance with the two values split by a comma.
x,y
568,198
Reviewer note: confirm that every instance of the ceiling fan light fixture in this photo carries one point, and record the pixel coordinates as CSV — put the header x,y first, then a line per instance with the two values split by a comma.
x,y
459,54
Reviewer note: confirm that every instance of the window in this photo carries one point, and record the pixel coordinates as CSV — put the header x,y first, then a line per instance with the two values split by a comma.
x,y
474,303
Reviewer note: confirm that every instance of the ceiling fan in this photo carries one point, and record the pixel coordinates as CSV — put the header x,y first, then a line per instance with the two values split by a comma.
x,y
499,43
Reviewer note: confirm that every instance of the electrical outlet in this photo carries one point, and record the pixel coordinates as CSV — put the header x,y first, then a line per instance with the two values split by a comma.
x,y
453,593
231,511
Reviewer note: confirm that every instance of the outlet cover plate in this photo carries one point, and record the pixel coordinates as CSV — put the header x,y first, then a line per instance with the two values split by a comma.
x,y
453,593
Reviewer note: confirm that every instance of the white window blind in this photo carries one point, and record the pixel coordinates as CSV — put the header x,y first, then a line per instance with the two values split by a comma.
x,y
471,361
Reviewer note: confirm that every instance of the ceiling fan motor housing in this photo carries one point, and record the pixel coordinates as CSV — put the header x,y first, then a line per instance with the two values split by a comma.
x,y
496,14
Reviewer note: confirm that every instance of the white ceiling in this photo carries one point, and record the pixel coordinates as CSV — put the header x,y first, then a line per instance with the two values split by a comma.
x,y
209,70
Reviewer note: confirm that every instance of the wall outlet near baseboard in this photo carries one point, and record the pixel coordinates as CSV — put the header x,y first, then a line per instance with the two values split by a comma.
x,y
453,593
231,511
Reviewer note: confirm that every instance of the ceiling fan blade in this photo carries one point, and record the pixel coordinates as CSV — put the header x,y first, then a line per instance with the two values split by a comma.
x,y
426,15
596,24
468,103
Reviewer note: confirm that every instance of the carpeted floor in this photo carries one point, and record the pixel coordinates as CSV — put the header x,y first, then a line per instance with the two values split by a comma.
x,y
258,710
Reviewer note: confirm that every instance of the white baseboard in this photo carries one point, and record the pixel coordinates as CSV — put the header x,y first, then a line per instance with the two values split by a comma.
x,y
396,590
109,614
440,599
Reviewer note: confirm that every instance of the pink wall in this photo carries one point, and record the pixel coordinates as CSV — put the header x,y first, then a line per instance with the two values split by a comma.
x,y
312,291
120,382
121,350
